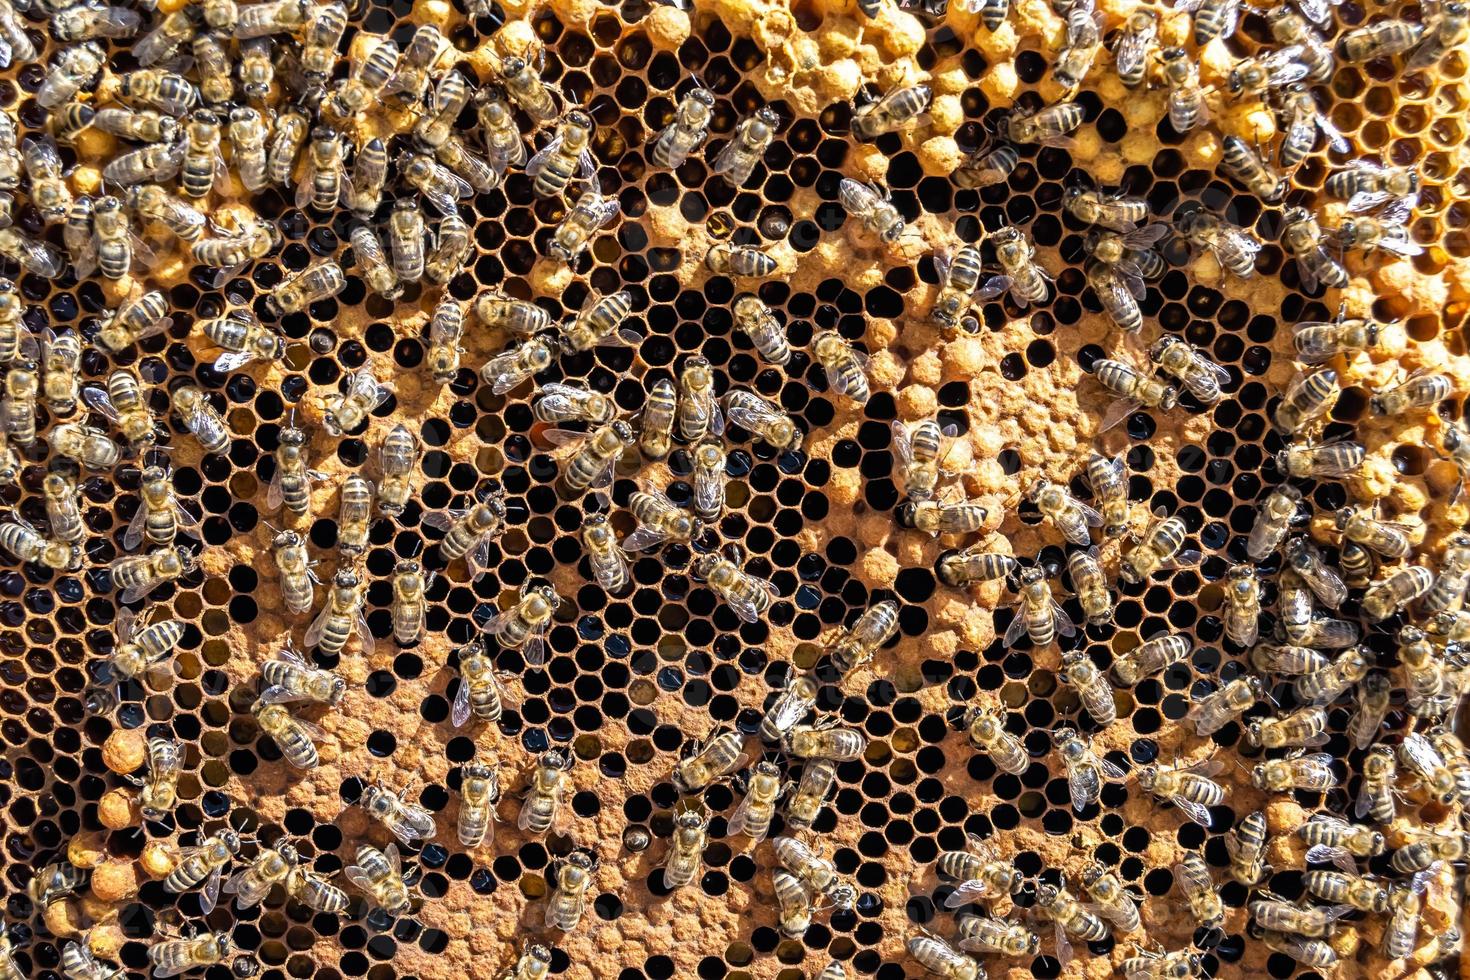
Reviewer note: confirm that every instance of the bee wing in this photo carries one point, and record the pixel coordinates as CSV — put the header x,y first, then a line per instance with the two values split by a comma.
x,y
98,400
318,625
459,710
744,608
708,493
1017,628
1401,247
1334,135
275,694
993,287
902,444
1195,811
133,536
1117,412
737,820
538,161
1110,771
1187,558
1419,753
1131,50
1366,200
1061,621
359,877
1307,270
1337,856
274,495
967,892
1064,948
477,560
643,537
1089,514
441,521
160,969
365,635
209,893
535,651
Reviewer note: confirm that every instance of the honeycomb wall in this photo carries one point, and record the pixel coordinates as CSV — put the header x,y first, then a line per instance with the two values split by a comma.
x,y
631,680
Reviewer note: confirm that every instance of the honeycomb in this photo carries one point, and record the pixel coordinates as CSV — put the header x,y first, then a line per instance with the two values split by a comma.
x,y
632,681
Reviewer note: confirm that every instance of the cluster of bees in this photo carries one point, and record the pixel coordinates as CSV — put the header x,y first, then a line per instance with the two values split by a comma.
x,y
204,79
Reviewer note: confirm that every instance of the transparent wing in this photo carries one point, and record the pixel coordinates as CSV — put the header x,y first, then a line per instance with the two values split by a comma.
x,y
1061,621
365,635
275,694
967,892
1195,811
644,536
318,625
133,536
1016,630
274,495
902,444
98,400
538,162
209,893
1117,412
459,711
707,492
161,969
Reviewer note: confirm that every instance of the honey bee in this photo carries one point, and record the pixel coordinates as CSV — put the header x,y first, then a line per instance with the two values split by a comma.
x,y
363,190
939,958
659,521
1110,210
758,416
1391,594
1244,165
354,515
139,575
747,146
534,964
503,144
1187,106
1048,126
757,321
55,882
1200,891
271,867
1214,711
1306,563
592,466
161,516
1242,605
1427,848
448,257
28,544
1072,517
558,402
153,203
1295,772
1086,771
891,112
15,46
1070,917
170,957
310,285
1083,42
1302,238
140,650
256,69
688,129
858,643
845,367
1448,592
794,905
1090,584
439,185
379,875
980,873
1305,727
408,822
31,255
1212,18
698,414
341,616
1114,902
1334,839
410,606
1199,375
525,88
1131,49
18,409
818,776
1446,29
1385,538
597,323
590,214
747,261
748,595
709,480
568,901
202,866
567,156
541,808
943,517
510,368
289,677
1324,686
524,625
368,73
291,130
410,81
1313,460
324,179
1160,549
397,457
1136,390
74,67
1404,904
1419,756
1302,119
870,205
987,733
816,874
1176,965
1246,846
1384,231
446,330
480,694
981,934
1418,391
1187,787
686,848
291,484
1367,185
1158,653
1374,695
989,165
918,458
63,516
349,410
1079,672
1027,281
293,736
1313,922
824,740
479,792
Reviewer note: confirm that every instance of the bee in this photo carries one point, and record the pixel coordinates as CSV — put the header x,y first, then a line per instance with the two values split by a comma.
x,y
1373,702
686,848
1071,516
271,867
542,805
354,515
163,90
139,575
1242,608
1367,186
1427,848
1135,389
1448,592
291,484
1363,894
18,408
989,165
845,367
1447,28
1200,892
981,874
74,119
11,163
63,516
406,231
234,247
558,402
869,204
656,425
1388,539
291,130
315,892
748,595
748,261
1079,672
449,255
349,409
397,457
1176,965
503,144
113,245
1090,584
1324,686
1244,165
289,677
818,776
568,155
439,185
1213,712
1117,212
959,275
1246,845
324,179
319,44
1157,654
1113,901
709,480
753,817
446,330
524,625
27,544
1160,549
49,191
891,112
1318,342
1316,460
366,77
1083,42
918,468
61,359
534,964
170,957
1385,231
793,904
698,413
1129,256
980,934
15,46
1449,746
1027,281
1086,771
74,68
1261,75
659,521
55,882
165,761
480,694
1199,375
758,416
161,516
592,466
824,740
1302,238
408,822
296,572
341,616
1301,121
688,129
939,958
212,61
138,125
597,323
1136,39
1187,107
362,191
1295,772
301,289
497,310
1306,562
788,708
857,644
526,89
1313,922
815,873
1334,839
31,255
1404,904
747,146
153,203
986,731
1118,294
1419,756
587,217
255,68
1305,727
1391,594
1187,787
1070,917
272,17
1212,18
202,866
410,606
1048,126
479,792
138,651
1419,391
380,876
478,173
